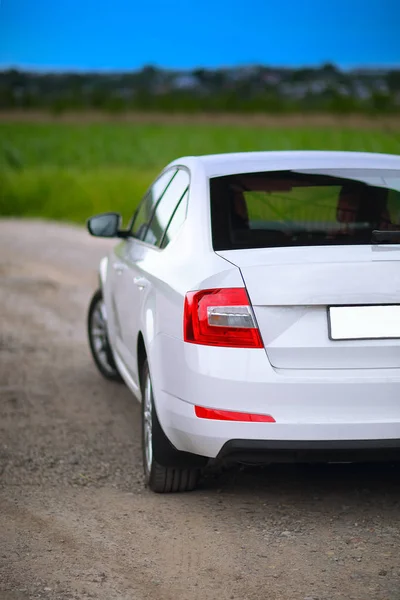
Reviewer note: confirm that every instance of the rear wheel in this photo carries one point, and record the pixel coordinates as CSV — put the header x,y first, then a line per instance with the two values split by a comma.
x,y
165,468
98,338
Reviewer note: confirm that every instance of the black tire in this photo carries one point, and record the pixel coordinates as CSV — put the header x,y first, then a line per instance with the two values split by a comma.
x,y
99,344
168,470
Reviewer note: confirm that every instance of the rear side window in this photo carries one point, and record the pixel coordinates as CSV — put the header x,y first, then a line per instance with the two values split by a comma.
x,y
166,207
176,221
149,202
313,208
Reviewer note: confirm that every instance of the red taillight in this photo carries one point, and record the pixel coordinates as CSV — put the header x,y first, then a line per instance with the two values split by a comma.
x,y
229,415
220,317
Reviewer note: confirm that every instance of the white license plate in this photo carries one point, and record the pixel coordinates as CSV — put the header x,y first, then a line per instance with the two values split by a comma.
x,y
364,322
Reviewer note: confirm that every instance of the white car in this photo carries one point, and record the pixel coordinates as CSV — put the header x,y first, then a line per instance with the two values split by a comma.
x,y
253,305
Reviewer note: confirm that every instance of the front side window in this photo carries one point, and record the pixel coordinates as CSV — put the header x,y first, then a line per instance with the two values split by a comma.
x,y
166,207
303,208
149,202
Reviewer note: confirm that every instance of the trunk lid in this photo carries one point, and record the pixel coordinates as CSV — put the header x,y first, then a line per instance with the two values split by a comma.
x,y
292,288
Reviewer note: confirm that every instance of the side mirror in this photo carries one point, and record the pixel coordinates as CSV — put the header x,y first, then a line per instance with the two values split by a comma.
x,y
105,225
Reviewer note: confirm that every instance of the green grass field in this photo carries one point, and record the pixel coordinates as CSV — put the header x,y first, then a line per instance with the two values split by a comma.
x,y
69,171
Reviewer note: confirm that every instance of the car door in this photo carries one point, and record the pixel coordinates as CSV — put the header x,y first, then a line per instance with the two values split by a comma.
x,y
124,297
142,280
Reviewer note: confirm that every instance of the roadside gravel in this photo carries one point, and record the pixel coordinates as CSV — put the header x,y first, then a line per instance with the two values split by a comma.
x,y
75,519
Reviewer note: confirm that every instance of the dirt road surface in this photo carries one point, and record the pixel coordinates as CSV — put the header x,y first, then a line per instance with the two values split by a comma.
x,y
379,122
75,519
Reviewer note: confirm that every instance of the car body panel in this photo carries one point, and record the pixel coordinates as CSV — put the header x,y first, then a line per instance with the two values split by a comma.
x,y
291,290
158,307
345,404
251,162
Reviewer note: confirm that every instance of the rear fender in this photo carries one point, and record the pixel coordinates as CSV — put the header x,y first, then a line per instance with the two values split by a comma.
x,y
103,271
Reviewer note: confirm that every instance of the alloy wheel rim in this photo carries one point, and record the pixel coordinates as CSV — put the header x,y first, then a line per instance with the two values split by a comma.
x,y
148,424
98,333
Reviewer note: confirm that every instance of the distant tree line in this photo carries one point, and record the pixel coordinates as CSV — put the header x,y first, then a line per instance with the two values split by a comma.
x,y
241,89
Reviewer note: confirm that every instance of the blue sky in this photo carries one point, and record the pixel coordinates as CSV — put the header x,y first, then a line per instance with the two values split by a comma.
x,y
127,34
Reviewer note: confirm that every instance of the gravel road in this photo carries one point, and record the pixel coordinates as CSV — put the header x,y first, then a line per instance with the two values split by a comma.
x,y
75,519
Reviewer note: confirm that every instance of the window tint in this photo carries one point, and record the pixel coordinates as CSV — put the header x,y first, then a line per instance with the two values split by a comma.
x,y
176,222
166,207
146,207
313,208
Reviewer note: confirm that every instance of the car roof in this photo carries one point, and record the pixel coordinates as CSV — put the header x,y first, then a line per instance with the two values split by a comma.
x,y
214,165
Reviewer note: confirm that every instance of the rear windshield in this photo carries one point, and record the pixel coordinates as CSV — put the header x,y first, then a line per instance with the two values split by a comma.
x,y
303,208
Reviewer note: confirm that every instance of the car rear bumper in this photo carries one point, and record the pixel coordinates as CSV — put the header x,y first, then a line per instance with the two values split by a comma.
x,y
272,451
274,442
337,408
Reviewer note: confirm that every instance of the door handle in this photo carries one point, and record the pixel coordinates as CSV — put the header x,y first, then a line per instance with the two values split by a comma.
x,y
141,282
119,267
